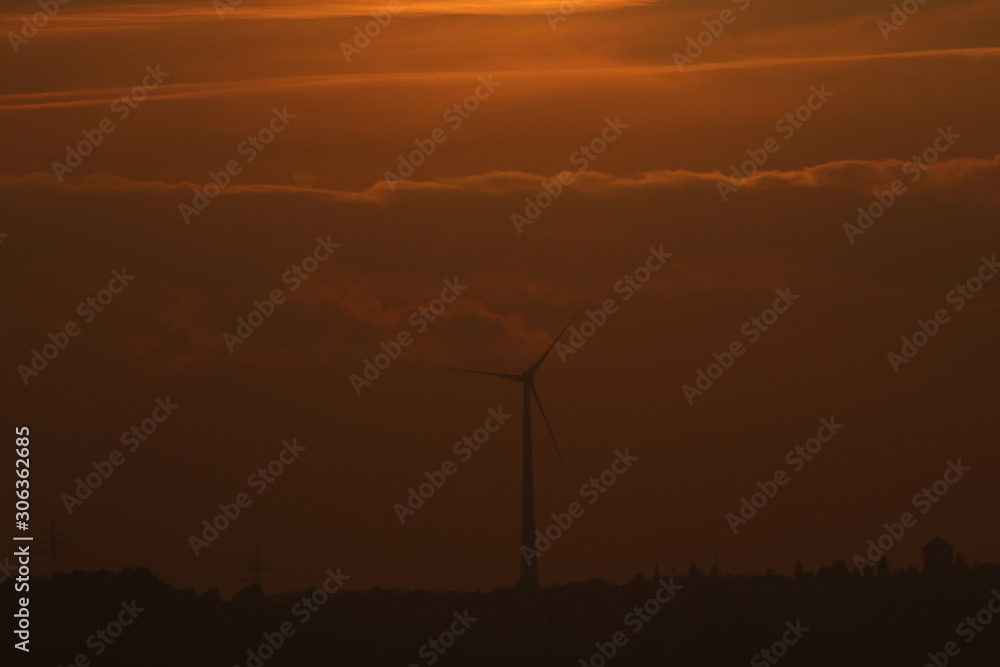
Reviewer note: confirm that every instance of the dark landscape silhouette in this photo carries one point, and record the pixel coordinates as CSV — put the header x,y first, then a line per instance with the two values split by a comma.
x,y
883,618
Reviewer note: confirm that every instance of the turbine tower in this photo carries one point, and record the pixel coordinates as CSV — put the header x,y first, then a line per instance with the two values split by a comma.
x,y
529,571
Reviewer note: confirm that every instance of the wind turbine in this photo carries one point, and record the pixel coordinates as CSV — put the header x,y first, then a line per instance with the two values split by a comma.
x,y
529,571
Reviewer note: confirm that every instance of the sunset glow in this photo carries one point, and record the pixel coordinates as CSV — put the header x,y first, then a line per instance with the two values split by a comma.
x,y
547,156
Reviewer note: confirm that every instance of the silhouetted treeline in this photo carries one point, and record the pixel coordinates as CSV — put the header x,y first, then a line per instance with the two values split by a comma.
x,y
882,619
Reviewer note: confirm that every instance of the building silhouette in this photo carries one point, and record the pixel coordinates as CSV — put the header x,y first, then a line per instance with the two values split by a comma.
x,y
938,556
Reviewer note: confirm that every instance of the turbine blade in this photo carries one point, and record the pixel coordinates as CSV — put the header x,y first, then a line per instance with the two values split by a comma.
x,y
534,393
506,376
555,340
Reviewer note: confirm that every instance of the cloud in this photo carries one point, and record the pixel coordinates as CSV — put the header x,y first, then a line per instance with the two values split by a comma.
x,y
20,102
846,176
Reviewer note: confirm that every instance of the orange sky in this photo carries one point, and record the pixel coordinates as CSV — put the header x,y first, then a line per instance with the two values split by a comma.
x,y
655,184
